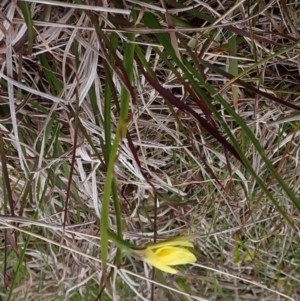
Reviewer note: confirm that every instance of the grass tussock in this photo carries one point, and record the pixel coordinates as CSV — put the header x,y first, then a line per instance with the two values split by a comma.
x,y
150,119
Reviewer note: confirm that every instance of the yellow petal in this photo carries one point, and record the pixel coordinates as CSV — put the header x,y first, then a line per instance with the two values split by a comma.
x,y
170,243
174,256
151,258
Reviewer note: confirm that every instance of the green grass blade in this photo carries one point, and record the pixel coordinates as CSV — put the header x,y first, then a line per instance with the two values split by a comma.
x,y
121,132
28,20
233,69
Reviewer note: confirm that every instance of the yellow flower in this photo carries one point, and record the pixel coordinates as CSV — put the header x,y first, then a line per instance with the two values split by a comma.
x,y
168,253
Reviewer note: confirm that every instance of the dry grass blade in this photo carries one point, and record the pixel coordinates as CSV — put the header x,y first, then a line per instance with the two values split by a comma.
x,y
81,6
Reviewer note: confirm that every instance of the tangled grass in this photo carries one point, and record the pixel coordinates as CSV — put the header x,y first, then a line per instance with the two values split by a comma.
x,y
151,119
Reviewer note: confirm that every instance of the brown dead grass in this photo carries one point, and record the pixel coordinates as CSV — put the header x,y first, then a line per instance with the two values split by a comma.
x,y
247,251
